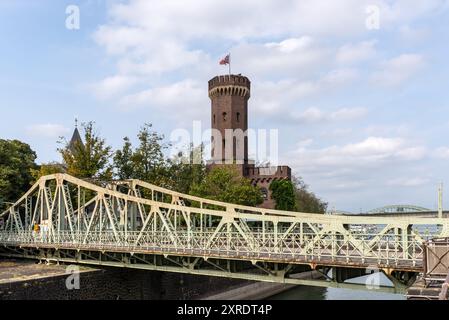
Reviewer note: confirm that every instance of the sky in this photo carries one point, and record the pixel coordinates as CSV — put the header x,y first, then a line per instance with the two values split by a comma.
x,y
357,89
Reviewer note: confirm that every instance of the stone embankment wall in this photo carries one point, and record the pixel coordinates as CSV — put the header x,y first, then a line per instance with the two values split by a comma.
x,y
22,280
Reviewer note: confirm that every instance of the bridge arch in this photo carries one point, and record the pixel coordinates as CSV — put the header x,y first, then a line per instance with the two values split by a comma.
x,y
399,209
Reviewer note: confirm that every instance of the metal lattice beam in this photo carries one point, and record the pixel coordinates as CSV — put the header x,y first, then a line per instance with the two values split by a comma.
x,y
133,217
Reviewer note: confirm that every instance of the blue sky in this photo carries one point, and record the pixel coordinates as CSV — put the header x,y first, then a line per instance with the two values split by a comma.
x,y
362,113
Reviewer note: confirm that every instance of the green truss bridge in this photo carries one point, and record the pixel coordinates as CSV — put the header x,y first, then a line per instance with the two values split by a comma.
x,y
133,224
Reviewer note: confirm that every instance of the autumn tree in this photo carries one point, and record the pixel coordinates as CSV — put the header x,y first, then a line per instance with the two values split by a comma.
x,y
88,159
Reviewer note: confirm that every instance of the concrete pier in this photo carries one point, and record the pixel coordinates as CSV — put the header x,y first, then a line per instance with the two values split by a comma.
x,y
421,291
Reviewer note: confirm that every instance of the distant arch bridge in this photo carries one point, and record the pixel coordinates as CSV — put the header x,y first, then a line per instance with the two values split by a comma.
x,y
399,209
395,210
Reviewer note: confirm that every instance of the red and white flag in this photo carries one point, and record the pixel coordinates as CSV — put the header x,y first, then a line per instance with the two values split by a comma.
x,y
226,60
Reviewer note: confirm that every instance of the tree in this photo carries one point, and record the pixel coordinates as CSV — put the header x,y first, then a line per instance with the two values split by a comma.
x,y
307,201
146,162
124,161
283,192
89,159
186,170
225,184
149,157
17,159
47,169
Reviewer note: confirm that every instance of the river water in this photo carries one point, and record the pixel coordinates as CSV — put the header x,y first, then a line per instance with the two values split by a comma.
x,y
315,293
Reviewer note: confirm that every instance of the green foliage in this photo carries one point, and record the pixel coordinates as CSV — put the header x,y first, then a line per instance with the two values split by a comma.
x,y
225,184
307,201
146,162
184,171
124,161
149,157
295,196
89,159
17,160
283,192
47,169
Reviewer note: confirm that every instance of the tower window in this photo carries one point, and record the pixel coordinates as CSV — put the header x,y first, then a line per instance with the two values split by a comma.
x,y
214,118
224,116
238,116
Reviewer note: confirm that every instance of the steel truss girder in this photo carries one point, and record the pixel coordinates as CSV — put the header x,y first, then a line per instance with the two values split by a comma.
x,y
137,217
278,273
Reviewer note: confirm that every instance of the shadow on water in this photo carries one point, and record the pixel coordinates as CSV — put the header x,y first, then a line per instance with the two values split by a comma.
x,y
301,293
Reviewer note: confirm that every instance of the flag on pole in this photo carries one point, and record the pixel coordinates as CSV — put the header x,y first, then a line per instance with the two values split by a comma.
x,y
226,60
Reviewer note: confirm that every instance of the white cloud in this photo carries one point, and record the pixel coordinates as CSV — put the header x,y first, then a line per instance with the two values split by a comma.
x,y
400,12
291,57
337,133
279,98
408,182
387,130
196,18
349,114
414,34
111,86
305,143
291,45
313,115
373,152
47,130
364,174
441,153
397,70
153,37
339,77
180,94
354,53
186,100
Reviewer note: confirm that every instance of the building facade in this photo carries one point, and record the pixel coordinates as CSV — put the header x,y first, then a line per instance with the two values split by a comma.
x,y
229,96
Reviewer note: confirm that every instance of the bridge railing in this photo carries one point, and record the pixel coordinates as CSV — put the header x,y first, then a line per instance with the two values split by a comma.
x,y
297,247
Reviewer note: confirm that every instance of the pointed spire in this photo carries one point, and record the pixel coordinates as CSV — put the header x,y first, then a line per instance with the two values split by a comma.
x,y
76,138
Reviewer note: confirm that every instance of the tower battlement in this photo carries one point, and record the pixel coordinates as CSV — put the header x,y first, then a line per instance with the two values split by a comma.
x,y
236,85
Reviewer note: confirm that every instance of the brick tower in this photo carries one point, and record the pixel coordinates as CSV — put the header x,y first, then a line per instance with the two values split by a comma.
x,y
229,96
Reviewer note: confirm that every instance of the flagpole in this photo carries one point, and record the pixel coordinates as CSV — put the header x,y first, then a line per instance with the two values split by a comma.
x,y
229,63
